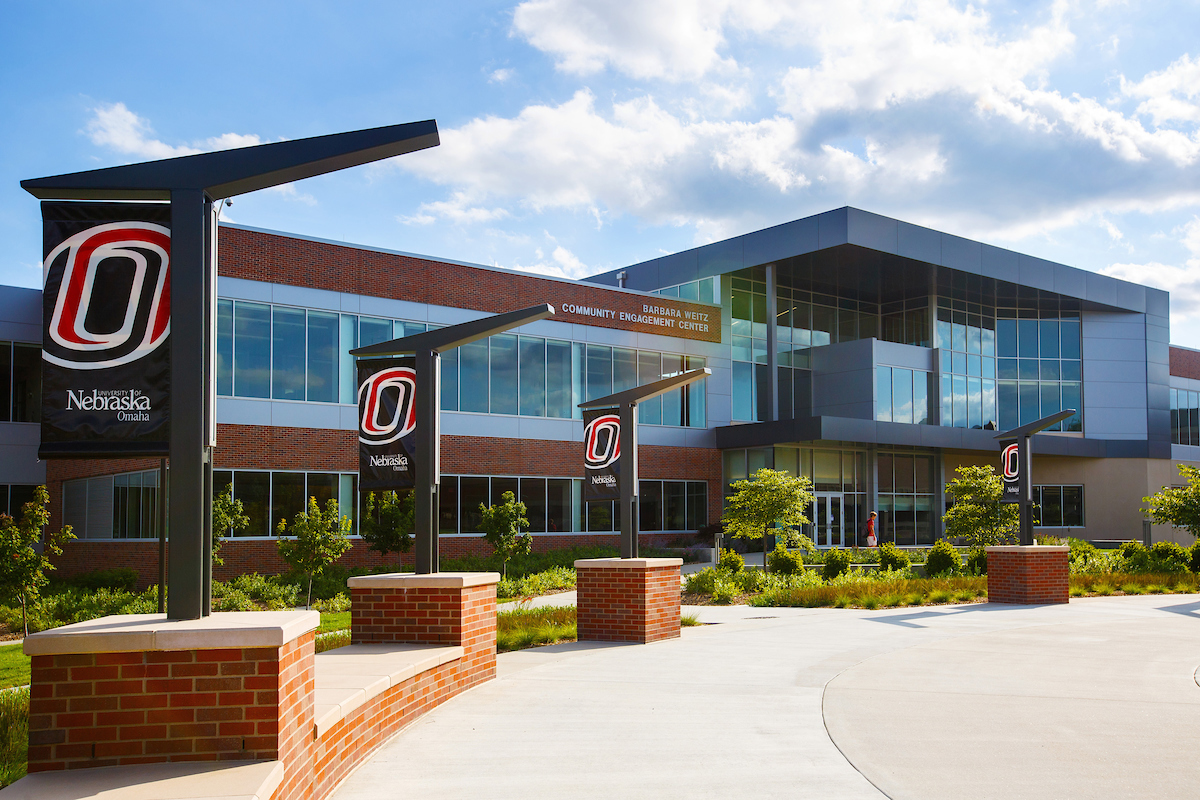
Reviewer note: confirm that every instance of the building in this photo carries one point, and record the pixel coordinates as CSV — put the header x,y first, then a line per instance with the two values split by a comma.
x,y
871,355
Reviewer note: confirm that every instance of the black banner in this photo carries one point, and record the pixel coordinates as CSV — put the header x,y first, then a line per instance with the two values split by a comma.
x,y
387,418
106,323
601,454
1013,470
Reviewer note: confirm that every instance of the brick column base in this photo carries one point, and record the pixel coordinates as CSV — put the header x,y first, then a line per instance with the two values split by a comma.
x,y
627,599
1033,575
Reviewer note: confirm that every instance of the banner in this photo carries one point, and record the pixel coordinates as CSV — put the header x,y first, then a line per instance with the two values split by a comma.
x,y
601,455
106,323
1012,470
387,418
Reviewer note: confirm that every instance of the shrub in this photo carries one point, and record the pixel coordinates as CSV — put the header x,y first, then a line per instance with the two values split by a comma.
x,y
892,557
750,580
977,561
943,559
1135,556
837,561
1194,557
1081,551
1169,557
702,582
234,600
122,578
785,562
273,594
334,605
724,593
731,562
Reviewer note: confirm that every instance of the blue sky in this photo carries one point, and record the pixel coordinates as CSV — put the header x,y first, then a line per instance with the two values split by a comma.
x,y
583,135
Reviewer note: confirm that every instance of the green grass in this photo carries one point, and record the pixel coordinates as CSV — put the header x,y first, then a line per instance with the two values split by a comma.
x,y
14,666
876,594
14,735
334,621
1135,583
689,621
530,627
331,640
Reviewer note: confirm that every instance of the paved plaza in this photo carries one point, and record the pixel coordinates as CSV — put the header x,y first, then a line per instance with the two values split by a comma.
x,y
1096,699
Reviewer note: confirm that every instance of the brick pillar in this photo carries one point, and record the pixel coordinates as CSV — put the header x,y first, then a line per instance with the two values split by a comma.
x,y
135,689
627,599
444,608
1031,575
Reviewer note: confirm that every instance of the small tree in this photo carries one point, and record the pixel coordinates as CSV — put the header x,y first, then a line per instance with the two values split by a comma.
x,y
768,498
228,516
320,539
977,514
22,567
387,522
1177,505
502,526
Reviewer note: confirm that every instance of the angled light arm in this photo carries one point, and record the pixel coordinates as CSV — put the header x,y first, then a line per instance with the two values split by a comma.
x,y
648,391
1037,425
443,339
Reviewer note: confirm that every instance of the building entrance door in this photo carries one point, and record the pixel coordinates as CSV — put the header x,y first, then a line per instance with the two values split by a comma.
x,y
827,520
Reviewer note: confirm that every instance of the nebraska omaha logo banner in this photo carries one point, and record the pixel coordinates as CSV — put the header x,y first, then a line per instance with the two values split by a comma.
x,y
601,455
1010,468
387,417
106,323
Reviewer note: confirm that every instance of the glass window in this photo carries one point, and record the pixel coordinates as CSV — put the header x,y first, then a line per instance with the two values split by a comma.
x,y
287,497
1069,337
558,505
372,330
474,493
974,403
624,367
697,505
448,504
823,325
1027,338
672,402
735,466
649,366
827,468
600,515
225,347
674,505
902,392
287,353
323,486
502,485
599,371
883,394
322,357
533,495
960,401
1072,398
473,377
558,379
254,490
921,398
743,391
1006,338
650,499
1072,506
989,402
1007,405
27,383
533,376
504,374
449,370
251,349
1049,338
1030,402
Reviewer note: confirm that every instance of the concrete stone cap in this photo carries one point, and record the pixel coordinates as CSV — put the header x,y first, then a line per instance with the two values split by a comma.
x,y
627,563
123,633
1029,548
434,580
188,780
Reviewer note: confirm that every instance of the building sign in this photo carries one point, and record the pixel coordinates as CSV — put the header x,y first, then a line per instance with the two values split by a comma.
x,y
601,454
106,323
663,315
387,417
1014,471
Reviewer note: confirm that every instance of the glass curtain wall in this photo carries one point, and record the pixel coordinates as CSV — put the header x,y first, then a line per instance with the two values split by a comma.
x,y
907,491
20,382
1185,417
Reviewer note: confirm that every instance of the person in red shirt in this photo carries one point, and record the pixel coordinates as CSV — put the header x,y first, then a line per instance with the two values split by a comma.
x,y
872,540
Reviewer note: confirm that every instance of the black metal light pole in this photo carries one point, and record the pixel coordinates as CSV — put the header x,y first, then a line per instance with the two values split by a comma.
x,y
626,403
192,184
1017,463
427,348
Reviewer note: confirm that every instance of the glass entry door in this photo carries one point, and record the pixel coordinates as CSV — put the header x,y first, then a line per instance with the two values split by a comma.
x,y
827,520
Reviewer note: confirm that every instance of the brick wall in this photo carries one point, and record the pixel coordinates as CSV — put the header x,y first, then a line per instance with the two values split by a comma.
x,y
103,709
627,603
274,258
1028,575
1185,362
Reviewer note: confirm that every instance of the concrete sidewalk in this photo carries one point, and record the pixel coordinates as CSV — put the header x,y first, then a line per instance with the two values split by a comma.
x,y
1095,699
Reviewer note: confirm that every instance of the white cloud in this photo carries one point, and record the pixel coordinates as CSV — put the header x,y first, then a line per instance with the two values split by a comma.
x,y
116,127
500,75
1183,282
458,209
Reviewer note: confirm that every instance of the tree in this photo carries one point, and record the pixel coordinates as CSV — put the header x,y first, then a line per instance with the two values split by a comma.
x,y
768,498
387,522
977,514
22,567
1177,505
502,526
320,539
228,516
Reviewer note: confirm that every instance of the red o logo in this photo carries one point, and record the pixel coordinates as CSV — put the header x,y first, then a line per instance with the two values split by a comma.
x,y
113,301
1010,462
602,441
389,411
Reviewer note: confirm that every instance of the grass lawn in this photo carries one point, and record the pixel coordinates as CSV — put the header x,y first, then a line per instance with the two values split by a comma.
x,y
14,734
14,666
879,594
334,621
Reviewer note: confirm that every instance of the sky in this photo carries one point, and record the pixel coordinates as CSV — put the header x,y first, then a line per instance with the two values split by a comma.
x,y
579,136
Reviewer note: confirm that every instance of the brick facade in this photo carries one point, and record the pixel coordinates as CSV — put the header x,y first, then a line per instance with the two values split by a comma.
x,y
1185,362
1028,575
104,709
627,602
